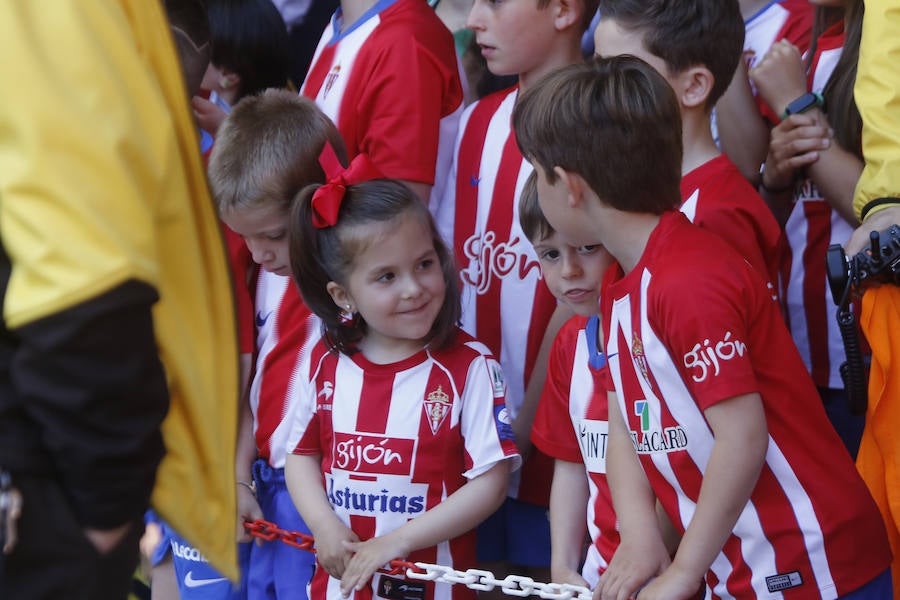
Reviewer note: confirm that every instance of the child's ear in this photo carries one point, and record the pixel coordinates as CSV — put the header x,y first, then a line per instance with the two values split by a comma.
x,y
694,85
229,79
340,296
566,13
575,185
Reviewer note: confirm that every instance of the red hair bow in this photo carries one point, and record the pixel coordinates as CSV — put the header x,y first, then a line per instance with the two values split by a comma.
x,y
326,201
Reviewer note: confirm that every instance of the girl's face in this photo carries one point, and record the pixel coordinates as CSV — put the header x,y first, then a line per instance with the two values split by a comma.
x,y
397,285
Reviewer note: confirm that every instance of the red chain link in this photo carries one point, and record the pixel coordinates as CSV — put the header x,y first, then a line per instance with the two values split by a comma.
x,y
268,531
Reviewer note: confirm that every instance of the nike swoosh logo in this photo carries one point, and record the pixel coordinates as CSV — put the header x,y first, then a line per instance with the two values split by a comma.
x,y
190,582
609,356
261,320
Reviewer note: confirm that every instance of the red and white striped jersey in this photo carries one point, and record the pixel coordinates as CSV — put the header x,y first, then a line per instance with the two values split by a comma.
x,y
811,227
681,339
789,20
391,84
286,329
716,197
505,302
398,439
572,424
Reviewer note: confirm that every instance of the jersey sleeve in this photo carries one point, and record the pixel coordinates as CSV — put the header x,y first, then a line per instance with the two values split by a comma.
x,y
706,329
552,431
241,265
304,436
402,105
485,423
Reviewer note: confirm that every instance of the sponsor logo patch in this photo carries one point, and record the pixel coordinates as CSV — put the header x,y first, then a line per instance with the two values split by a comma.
x,y
783,581
393,588
374,454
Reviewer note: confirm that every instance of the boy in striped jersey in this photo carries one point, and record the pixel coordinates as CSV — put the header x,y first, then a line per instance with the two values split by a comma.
x,y
506,305
715,416
574,401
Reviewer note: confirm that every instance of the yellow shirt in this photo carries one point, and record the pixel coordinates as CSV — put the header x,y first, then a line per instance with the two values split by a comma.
x,y
101,181
877,94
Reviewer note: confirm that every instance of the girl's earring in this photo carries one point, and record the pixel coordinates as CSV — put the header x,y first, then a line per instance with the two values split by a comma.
x,y
224,82
347,315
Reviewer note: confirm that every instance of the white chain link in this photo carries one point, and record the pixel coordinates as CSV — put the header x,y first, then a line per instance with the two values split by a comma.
x,y
513,585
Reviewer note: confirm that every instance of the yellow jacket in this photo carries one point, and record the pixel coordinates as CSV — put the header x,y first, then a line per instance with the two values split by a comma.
x,y
877,93
101,182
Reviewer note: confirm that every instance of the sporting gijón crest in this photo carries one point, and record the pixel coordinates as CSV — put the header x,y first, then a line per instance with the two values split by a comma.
x,y
437,406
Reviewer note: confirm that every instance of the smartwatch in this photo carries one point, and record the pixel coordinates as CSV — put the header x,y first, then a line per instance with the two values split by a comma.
x,y
803,103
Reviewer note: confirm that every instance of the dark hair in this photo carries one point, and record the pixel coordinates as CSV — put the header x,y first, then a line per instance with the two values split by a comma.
x,y
840,106
534,224
190,32
250,38
319,256
686,33
613,121
267,150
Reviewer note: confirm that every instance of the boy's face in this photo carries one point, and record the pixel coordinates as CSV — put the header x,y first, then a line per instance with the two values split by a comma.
x,y
573,274
514,35
612,40
264,229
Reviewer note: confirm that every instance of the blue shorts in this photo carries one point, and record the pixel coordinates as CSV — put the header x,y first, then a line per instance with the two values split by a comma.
x,y
880,588
197,579
277,570
518,533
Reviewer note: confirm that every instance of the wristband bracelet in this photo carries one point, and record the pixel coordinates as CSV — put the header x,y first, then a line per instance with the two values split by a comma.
x,y
762,182
250,485
869,206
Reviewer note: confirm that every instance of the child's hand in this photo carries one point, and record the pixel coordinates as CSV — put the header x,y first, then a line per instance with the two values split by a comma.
x,y
779,77
673,584
795,144
209,116
330,550
566,575
368,557
247,510
631,567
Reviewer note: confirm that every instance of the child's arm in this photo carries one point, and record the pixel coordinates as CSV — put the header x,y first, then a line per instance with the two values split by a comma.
x,y
642,553
303,476
836,173
743,132
461,511
525,417
247,504
569,495
738,454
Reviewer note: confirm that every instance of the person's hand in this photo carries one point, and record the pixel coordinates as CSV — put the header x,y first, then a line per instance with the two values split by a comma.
x,y
368,557
567,575
779,77
631,567
878,221
150,540
673,584
247,510
11,506
209,116
330,550
795,144
105,540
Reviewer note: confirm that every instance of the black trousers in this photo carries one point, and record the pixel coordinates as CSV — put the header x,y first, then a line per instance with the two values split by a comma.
x,y
53,559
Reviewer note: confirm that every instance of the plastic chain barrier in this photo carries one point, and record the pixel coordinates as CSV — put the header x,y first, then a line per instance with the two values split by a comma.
x,y
476,579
